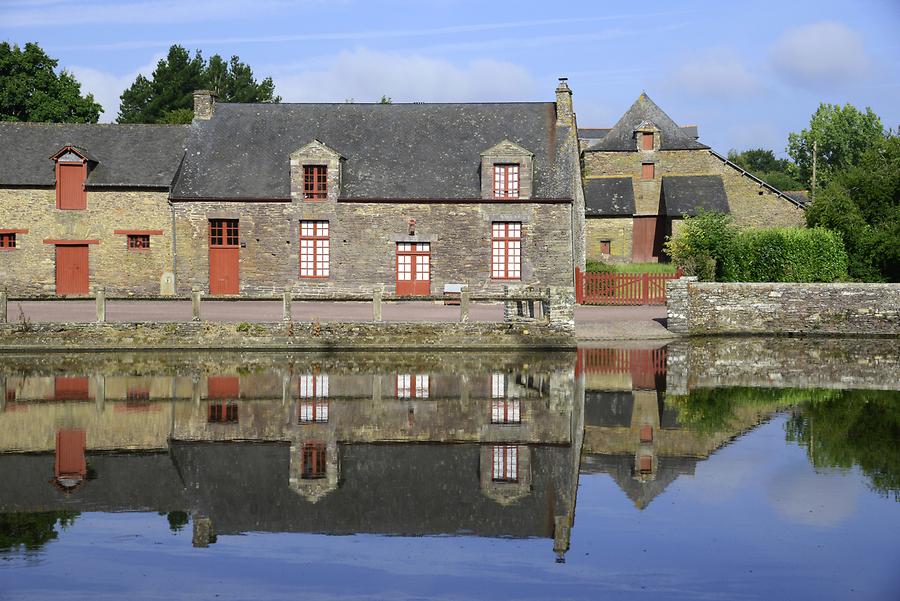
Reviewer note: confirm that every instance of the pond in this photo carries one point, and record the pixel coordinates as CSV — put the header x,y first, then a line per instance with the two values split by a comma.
x,y
718,469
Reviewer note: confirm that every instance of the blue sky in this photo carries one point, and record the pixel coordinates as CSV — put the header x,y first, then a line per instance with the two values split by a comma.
x,y
746,73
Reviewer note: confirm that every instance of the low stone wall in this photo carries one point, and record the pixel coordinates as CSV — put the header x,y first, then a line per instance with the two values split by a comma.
x,y
284,336
708,308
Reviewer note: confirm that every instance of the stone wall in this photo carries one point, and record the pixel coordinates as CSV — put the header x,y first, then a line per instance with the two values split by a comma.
x,y
706,308
363,243
31,267
751,205
618,230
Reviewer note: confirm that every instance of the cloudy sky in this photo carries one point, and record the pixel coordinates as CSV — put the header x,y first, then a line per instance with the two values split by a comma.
x,y
746,73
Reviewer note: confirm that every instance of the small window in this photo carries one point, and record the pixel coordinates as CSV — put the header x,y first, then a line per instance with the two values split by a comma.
x,y
498,386
313,386
505,411
138,241
312,460
416,386
315,249
506,250
315,182
648,171
505,464
313,411
222,413
7,241
506,180
605,246
223,233
647,141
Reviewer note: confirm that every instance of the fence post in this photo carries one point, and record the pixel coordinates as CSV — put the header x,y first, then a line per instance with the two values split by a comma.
x,y
645,289
464,297
195,304
286,315
4,298
579,286
101,305
376,304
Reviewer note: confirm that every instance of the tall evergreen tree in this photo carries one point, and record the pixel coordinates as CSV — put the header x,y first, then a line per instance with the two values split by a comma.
x,y
32,90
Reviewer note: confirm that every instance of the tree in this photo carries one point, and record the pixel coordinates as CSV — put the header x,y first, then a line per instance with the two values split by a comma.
x,y
31,89
842,134
763,164
167,97
385,100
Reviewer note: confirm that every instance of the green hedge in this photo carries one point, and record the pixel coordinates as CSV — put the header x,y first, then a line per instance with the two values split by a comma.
x,y
785,255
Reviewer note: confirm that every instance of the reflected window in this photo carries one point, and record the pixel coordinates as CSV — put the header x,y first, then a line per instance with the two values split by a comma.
x,y
312,456
313,386
416,386
70,465
498,386
71,388
223,413
505,464
223,387
313,411
506,411
10,395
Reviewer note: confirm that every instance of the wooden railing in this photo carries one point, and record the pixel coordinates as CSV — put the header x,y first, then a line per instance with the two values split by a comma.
x,y
644,365
622,288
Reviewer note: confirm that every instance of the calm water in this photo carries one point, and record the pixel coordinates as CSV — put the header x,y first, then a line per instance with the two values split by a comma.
x,y
745,470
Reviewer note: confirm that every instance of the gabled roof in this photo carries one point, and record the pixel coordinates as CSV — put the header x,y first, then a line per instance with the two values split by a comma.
x,y
392,151
687,194
621,137
76,150
125,155
609,196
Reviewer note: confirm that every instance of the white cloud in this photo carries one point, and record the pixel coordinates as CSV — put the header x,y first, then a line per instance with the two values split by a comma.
x,y
107,87
715,74
820,54
364,75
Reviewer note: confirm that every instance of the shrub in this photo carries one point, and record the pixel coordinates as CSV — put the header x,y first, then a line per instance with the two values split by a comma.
x,y
598,267
785,255
702,244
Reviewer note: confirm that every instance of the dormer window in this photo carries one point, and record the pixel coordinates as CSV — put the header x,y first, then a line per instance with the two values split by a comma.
x,y
71,173
315,182
506,180
646,141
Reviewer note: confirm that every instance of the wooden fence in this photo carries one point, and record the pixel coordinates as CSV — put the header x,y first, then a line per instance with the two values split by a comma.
x,y
644,365
622,288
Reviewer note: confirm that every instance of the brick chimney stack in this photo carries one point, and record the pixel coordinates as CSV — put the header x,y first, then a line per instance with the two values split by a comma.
x,y
204,104
565,114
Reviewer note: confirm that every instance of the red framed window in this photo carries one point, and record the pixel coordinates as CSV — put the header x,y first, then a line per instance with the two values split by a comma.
x,y
315,249
222,413
505,463
411,386
506,180
315,182
313,386
312,460
648,171
7,241
647,141
605,246
313,391
223,233
506,411
498,386
70,192
506,250
138,241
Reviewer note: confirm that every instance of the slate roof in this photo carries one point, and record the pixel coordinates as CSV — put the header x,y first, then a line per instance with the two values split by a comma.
x,y
621,137
608,196
686,194
416,151
125,155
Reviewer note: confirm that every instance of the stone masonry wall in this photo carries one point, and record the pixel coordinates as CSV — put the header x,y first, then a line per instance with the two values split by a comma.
x,y
363,240
618,230
751,205
31,267
706,308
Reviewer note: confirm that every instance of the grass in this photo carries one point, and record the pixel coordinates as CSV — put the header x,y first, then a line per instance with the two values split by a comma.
x,y
598,267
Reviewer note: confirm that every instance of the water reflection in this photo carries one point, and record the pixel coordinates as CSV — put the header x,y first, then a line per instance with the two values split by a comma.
x,y
403,444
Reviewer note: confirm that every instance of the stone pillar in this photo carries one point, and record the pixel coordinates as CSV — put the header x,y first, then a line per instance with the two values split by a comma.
x,y
195,304
678,304
101,305
204,535
565,114
4,299
195,390
562,308
204,104
376,303
464,300
100,393
286,306
562,532
510,308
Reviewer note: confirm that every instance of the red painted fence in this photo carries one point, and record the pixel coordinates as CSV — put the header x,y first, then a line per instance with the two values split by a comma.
x,y
644,365
622,288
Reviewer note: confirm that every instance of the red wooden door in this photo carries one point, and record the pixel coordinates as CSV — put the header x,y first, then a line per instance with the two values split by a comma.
x,y
224,256
70,461
643,237
413,268
71,269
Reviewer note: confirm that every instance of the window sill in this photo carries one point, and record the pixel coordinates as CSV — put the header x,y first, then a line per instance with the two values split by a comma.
x,y
5,249
313,277
493,279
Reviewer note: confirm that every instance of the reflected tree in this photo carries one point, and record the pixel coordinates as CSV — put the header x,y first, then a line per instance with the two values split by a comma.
x,y
177,520
31,531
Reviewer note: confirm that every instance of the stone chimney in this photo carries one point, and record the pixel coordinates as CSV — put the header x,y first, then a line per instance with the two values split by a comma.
x,y
565,115
204,104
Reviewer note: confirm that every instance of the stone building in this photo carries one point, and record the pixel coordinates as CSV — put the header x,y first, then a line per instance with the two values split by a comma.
x,y
319,198
642,176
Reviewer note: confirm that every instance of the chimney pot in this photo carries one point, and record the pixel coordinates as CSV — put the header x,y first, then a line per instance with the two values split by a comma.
x,y
204,104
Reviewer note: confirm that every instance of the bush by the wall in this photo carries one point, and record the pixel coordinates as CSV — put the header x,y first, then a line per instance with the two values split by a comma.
x,y
702,244
785,255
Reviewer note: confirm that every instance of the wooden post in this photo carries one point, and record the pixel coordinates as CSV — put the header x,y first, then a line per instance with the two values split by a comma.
x,y
3,302
579,286
464,298
101,305
376,304
195,304
286,306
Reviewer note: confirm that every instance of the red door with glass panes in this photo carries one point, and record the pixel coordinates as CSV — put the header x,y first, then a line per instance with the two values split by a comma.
x,y
71,269
413,268
224,256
